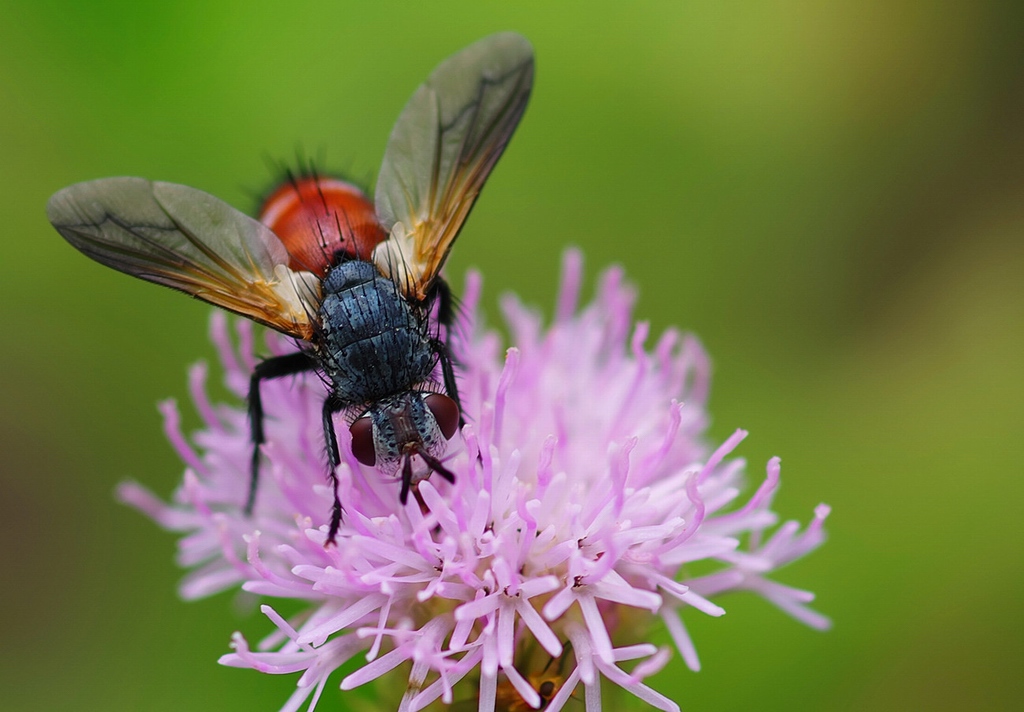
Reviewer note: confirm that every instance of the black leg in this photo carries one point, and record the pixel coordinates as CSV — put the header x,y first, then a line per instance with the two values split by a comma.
x,y
440,291
332,404
448,374
276,367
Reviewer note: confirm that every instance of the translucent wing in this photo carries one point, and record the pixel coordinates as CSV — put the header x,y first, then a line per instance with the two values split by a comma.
x,y
189,240
441,150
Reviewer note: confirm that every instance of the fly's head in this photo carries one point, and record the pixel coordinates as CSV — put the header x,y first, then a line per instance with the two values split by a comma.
x,y
399,428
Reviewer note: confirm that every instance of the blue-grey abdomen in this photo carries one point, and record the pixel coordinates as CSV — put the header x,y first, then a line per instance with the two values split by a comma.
x,y
373,344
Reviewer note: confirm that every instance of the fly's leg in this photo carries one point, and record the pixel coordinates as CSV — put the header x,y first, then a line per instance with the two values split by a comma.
x,y
442,294
276,367
440,348
440,291
332,405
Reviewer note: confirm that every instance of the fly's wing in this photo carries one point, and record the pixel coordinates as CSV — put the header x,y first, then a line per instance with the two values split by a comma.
x,y
441,150
189,240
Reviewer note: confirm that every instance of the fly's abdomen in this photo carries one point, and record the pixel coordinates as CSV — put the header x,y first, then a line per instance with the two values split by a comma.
x,y
373,344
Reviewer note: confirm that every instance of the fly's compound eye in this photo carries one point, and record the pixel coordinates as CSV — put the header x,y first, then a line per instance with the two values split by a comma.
x,y
362,441
445,412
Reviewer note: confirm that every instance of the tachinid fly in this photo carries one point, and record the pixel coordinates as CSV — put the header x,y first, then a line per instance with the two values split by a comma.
x,y
356,281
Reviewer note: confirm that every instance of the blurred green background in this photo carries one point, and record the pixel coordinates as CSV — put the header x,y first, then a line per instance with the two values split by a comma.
x,y
828,194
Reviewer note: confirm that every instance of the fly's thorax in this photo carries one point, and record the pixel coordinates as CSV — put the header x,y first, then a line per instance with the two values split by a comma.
x,y
372,342
348,274
359,302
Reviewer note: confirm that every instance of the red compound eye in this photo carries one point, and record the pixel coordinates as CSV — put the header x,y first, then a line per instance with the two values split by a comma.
x,y
446,413
362,441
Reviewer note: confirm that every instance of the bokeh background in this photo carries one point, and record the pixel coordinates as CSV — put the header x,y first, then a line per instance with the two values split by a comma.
x,y
828,194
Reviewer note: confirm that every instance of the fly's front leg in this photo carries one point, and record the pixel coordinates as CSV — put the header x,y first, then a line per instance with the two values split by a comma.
x,y
276,367
332,405
448,374
440,348
441,292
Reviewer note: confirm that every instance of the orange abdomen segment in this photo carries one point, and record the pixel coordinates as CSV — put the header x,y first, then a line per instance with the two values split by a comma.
x,y
322,220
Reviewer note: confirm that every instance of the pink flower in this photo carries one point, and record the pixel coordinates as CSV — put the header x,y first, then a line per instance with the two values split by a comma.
x,y
583,488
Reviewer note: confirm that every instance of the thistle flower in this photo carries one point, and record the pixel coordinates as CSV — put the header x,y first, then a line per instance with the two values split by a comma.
x,y
584,488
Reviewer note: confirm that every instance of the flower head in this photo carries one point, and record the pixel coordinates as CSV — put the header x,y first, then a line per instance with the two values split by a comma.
x,y
583,490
